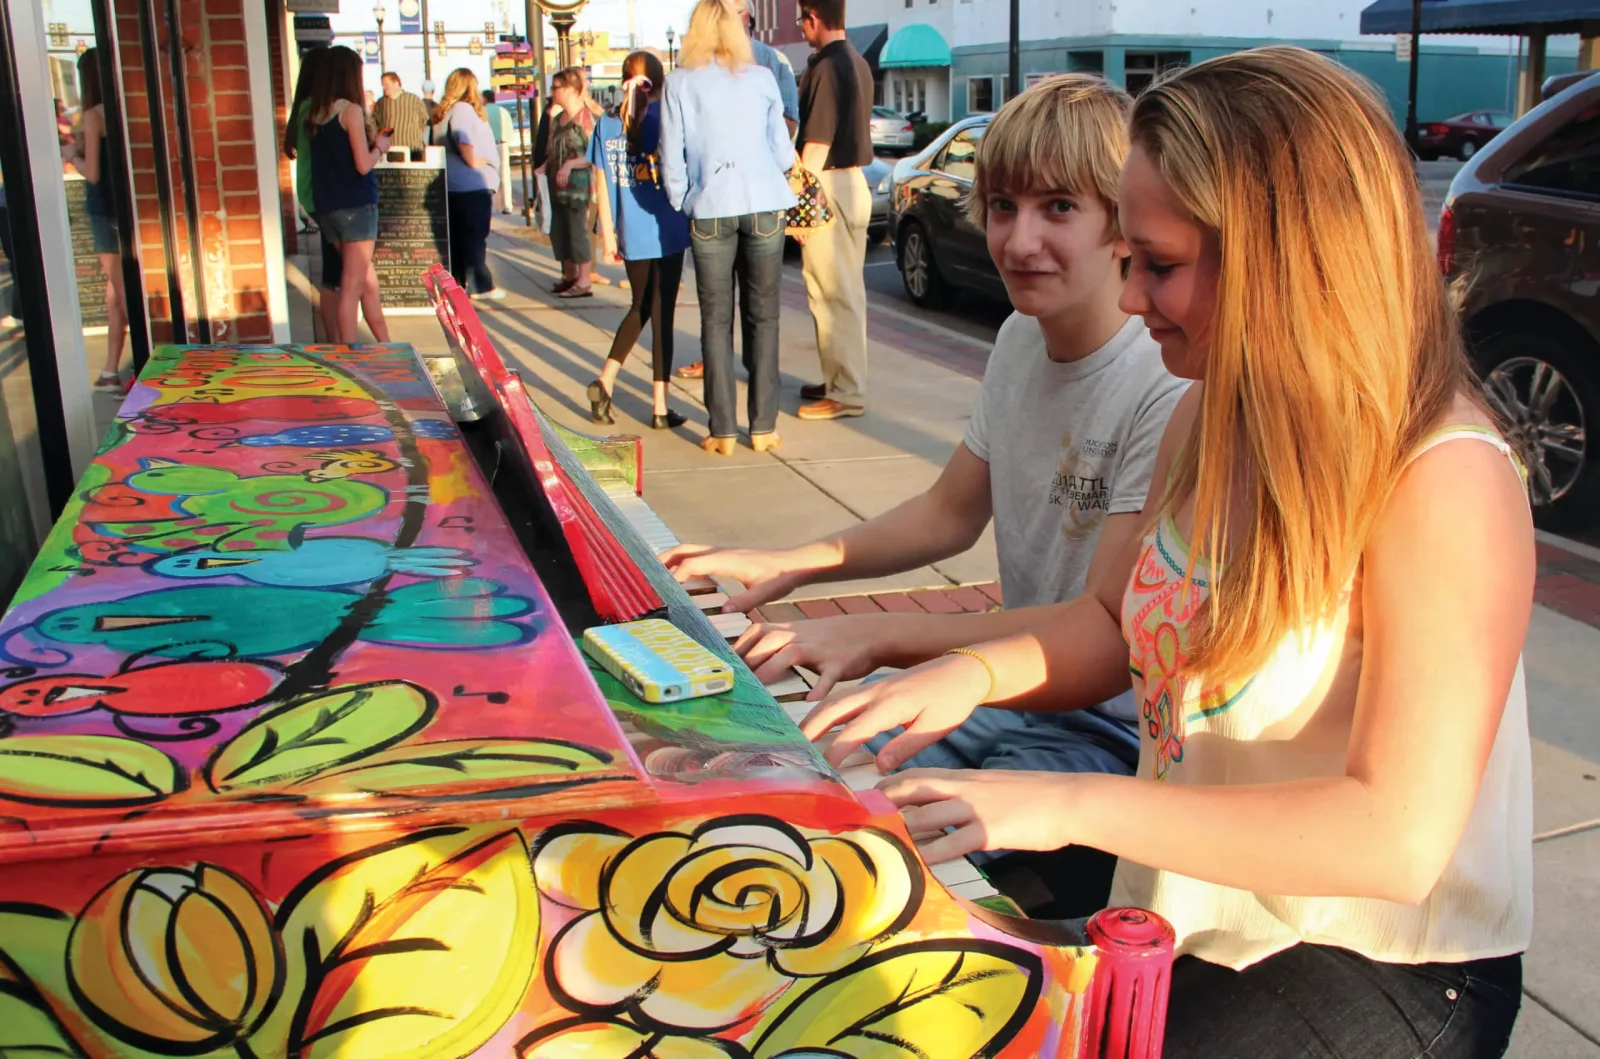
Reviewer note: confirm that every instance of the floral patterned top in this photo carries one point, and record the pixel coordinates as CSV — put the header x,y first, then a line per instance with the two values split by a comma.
x,y
1292,720
569,140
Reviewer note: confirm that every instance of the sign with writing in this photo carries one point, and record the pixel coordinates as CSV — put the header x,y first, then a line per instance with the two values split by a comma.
x,y
369,48
413,229
85,262
410,16
316,7
1402,47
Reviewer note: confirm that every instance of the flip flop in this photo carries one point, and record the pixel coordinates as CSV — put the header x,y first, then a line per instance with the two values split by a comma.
x,y
576,293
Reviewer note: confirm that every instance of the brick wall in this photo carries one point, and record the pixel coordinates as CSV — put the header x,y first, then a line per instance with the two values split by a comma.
x,y
277,56
232,266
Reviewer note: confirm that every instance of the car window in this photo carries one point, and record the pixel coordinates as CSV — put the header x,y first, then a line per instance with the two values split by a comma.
x,y
1567,163
884,112
960,157
1499,120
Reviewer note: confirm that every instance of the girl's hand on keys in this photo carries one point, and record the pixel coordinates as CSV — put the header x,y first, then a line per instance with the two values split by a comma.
x,y
989,809
929,701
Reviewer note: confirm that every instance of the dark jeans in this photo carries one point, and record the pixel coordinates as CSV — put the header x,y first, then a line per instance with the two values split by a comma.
x,y
469,237
1321,1002
655,302
752,244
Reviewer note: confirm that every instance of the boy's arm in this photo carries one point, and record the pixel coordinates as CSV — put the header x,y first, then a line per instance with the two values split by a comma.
x,y
852,646
945,520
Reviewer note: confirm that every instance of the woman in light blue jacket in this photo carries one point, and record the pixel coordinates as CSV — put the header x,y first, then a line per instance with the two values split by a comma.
x,y
724,152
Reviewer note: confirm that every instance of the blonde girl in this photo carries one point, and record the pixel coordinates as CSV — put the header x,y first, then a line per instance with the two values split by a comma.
x,y
472,173
1323,621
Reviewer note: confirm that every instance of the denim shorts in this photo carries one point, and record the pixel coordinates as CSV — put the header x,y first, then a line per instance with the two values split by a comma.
x,y
105,234
358,224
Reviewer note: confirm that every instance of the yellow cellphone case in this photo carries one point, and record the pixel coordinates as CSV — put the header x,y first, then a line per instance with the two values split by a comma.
x,y
658,662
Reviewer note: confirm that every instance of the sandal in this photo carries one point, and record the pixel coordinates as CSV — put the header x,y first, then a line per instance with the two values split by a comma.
x,y
564,286
697,370
599,403
574,292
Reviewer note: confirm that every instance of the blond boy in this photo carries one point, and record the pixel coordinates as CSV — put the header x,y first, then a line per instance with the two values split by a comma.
x,y
1059,450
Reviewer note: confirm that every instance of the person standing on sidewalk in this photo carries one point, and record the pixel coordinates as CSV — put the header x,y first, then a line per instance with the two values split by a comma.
x,y
774,60
401,111
102,189
504,127
346,188
472,172
297,146
568,168
835,142
724,152
641,230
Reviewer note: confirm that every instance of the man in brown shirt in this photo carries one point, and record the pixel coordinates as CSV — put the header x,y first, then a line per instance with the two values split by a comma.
x,y
835,141
401,111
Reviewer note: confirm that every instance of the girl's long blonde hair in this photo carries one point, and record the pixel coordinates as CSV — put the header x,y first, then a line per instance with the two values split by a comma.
x,y
1332,348
460,87
716,33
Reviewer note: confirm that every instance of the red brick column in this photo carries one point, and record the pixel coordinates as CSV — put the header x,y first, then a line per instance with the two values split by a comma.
x,y
232,268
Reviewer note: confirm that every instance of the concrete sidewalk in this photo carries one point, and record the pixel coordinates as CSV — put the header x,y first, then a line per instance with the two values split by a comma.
x,y
923,383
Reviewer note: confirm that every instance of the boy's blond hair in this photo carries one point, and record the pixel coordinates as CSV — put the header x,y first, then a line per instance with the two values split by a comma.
x,y
1066,133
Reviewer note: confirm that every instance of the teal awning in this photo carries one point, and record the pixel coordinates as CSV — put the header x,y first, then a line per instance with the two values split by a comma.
x,y
918,44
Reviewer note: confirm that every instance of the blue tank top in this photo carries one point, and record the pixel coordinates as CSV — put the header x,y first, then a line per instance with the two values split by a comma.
x,y
335,184
99,198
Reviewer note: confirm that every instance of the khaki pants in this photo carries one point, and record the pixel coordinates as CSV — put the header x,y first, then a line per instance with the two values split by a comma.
x,y
502,197
836,286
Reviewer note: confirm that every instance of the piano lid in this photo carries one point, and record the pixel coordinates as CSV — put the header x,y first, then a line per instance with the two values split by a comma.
x,y
281,599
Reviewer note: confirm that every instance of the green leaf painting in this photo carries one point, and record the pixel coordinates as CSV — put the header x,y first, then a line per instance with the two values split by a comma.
x,y
462,763
89,770
314,734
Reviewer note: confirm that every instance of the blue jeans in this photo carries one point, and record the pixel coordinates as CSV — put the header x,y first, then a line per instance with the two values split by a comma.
x,y
753,243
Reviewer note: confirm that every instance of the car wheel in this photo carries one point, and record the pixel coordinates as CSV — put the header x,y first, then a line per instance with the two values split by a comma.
x,y
918,272
1468,149
1544,390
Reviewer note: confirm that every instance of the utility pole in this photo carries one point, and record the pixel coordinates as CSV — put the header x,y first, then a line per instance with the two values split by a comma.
x,y
1416,60
427,44
1014,53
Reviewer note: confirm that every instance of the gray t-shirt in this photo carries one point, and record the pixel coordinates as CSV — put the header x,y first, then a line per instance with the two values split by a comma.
x,y
1067,445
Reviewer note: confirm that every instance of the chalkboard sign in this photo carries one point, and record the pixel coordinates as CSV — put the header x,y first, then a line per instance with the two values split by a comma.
x,y
413,228
91,280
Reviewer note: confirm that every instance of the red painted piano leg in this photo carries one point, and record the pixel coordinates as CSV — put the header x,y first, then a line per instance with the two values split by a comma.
x,y
1128,997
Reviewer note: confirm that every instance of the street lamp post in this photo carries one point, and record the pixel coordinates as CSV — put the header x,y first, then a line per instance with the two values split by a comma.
x,y
671,54
378,12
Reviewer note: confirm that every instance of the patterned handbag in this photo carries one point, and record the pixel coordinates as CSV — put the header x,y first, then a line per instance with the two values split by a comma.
x,y
812,213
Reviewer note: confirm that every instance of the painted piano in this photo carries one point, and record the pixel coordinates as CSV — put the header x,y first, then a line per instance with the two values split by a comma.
x,y
299,758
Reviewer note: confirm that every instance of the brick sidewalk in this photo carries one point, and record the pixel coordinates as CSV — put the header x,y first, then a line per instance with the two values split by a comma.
x,y
1568,584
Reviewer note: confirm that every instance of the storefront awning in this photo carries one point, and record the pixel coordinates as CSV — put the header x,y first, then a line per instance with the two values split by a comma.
x,y
868,40
1483,16
918,44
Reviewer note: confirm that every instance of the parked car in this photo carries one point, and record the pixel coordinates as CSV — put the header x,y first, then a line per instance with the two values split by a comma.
x,y
891,131
1460,136
880,177
1519,235
937,248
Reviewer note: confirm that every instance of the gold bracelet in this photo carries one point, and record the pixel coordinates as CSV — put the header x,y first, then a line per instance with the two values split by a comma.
x,y
970,653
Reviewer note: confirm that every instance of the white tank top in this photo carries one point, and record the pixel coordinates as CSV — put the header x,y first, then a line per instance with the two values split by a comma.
x,y
1285,724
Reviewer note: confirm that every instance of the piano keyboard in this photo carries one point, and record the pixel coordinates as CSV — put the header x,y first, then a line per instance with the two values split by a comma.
x,y
959,876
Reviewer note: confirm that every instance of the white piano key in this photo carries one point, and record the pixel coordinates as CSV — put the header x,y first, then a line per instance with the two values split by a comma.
x,y
954,872
793,686
730,626
711,601
699,586
861,777
974,890
796,709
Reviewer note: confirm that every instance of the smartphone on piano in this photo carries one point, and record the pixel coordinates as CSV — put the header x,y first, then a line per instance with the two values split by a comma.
x,y
657,661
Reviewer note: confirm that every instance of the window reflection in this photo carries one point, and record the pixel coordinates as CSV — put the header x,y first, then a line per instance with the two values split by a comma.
x,y
24,514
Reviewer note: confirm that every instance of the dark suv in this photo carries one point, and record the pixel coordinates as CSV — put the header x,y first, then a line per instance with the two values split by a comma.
x,y
1519,238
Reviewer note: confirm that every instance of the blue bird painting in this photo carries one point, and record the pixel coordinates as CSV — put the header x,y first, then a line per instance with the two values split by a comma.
x,y
317,562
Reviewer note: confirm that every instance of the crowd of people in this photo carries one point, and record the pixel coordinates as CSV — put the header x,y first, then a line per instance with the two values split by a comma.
x,y
337,140
1267,563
